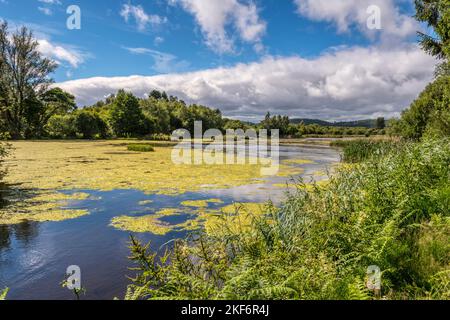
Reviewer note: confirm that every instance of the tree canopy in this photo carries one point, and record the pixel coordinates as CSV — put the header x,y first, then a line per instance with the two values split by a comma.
x,y
429,114
26,100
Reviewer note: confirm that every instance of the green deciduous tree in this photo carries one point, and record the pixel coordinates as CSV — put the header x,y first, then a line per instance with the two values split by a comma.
x,y
126,117
429,113
24,81
61,126
436,14
90,125
380,123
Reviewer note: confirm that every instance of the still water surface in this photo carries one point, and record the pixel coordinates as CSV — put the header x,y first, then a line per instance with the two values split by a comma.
x,y
34,256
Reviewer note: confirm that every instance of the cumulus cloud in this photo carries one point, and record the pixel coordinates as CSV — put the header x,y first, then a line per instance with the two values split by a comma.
x,y
350,83
140,16
214,16
348,13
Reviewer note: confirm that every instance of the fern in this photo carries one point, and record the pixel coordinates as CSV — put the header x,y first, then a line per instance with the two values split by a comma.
x,y
357,290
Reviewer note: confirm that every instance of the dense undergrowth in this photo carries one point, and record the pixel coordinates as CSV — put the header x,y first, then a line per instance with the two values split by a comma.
x,y
391,211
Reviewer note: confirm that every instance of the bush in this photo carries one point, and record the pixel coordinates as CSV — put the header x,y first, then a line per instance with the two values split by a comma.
x,y
138,147
158,137
61,127
391,211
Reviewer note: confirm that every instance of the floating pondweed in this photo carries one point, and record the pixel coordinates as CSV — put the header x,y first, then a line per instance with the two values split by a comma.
x,y
104,165
236,216
56,165
43,166
45,206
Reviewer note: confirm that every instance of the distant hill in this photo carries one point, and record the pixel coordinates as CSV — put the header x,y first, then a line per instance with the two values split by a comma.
x,y
367,123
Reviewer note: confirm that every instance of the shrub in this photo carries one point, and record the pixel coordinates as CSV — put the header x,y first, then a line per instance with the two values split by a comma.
x,y
391,211
140,147
61,126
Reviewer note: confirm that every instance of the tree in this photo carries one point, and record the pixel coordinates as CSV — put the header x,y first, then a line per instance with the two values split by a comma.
x,y
126,118
61,126
89,125
158,115
380,123
24,79
54,101
277,122
436,14
428,113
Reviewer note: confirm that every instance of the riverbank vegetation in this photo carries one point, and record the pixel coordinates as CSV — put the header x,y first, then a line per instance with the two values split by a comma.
x,y
391,211
354,151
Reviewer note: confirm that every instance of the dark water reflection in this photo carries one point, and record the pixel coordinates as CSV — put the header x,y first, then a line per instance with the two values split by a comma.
x,y
34,256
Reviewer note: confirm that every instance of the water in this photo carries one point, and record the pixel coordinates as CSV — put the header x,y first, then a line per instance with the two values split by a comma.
x,y
34,256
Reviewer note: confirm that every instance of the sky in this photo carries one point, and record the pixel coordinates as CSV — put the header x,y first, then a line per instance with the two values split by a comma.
x,y
302,58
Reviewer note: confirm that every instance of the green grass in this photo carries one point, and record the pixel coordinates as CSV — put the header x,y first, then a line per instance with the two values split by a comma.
x,y
391,211
138,147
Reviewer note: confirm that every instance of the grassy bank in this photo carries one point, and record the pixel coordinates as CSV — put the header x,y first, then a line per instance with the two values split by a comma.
x,y
391,211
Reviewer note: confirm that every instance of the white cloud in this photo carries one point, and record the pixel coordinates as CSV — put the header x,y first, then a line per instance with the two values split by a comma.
x,y
61,53
46,11
50,1
349,83
347,13
214,16
142,18
158,40
163,62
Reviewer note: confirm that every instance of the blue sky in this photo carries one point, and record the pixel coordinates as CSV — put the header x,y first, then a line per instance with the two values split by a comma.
x,y
190,42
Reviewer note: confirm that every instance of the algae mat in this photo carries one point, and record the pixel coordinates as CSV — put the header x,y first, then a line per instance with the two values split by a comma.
x,y
235,217
40,169
43,169
107,165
